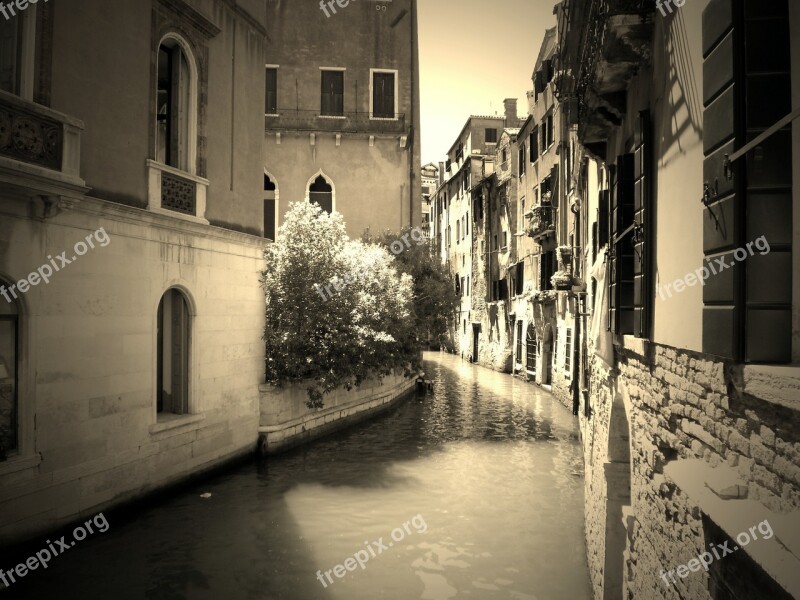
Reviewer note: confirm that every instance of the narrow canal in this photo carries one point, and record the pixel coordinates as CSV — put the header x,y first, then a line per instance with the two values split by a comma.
x,y
480,483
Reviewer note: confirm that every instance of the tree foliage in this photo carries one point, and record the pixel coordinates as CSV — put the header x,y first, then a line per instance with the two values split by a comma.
x,y
435,304
364,329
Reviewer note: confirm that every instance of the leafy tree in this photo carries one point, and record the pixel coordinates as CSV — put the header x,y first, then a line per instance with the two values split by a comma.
x,y
435,303
338,340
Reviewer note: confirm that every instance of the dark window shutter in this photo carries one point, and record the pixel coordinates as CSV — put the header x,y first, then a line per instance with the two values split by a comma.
x,y
547,71
603,218
535,145
271,104
332,102
747,88
538,82
642,238
383,95
620,280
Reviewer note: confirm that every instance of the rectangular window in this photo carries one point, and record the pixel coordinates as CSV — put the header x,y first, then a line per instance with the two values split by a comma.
x,y
547,269
271,104
9,346
520,278
11,55
269,219
534,139
568,354
547,132
491,136
505,239
467,285
519,341
620,283
383,95
332,100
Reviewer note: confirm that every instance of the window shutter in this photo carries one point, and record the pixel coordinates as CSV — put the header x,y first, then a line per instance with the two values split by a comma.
x,y
535,145
383,95
620,280
332,102
642,238
747,88
603,218
547,71
271,104
538,82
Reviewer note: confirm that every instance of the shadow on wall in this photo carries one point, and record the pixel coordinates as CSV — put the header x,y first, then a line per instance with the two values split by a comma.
x,y
684,112
618,499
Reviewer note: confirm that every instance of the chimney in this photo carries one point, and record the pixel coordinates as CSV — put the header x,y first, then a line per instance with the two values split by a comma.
x,y
511,112
441,172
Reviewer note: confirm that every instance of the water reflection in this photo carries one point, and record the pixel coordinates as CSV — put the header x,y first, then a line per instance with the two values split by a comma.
x,y
491,464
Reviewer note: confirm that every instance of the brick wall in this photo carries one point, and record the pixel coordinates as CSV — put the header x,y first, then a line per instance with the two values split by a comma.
x,y
681,405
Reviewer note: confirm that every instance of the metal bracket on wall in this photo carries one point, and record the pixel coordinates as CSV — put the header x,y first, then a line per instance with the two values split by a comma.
x,y
730,159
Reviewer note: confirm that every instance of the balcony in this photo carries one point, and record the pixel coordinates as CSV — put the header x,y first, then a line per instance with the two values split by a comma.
x,y
606,42
542,223
40,151
348,122
176,193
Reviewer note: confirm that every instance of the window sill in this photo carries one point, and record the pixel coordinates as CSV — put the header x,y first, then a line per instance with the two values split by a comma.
x,y
174,424
331,117
19,463
372,118
272,115
775,384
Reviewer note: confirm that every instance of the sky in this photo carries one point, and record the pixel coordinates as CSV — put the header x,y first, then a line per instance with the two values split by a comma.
x,y
473,55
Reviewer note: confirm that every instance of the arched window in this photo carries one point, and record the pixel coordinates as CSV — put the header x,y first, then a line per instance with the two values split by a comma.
x,y
175,110
321,192
9,371
172,340
270,198
530,351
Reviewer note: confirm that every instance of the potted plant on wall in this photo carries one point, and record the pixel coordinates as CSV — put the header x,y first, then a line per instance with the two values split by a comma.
x,y
562,281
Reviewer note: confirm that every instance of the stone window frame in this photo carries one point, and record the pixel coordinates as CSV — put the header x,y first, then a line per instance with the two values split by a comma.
x,y
24,456
178,20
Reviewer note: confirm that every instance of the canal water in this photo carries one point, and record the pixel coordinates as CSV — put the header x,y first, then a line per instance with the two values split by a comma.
x,y
473,492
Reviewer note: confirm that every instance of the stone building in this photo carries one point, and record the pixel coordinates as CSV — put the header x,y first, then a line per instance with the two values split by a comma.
x,y
453,232
689,412
342,112
477,246
132,158
430,181
545,329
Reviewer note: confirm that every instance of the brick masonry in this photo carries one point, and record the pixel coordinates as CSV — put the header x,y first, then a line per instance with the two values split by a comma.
x,y
679,405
